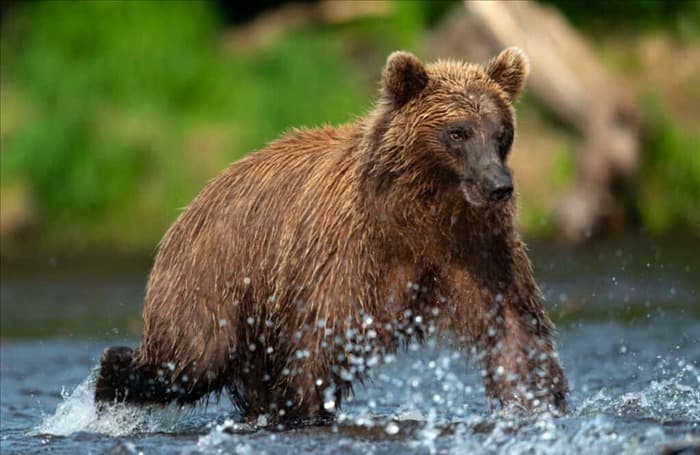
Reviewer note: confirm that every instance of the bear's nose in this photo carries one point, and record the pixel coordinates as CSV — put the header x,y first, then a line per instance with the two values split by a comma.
x,y
502,191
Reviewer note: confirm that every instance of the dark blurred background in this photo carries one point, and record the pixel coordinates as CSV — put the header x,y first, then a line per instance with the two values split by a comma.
x,y
114,114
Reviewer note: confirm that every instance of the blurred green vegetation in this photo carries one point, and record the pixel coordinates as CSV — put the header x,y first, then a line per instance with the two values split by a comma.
x,y
632,16
669,181
115,114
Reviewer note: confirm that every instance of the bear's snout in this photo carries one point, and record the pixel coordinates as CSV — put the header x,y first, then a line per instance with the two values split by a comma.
x,y
499,186
502,191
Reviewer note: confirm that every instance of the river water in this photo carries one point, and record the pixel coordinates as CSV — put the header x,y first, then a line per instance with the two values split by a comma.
x,y
629,337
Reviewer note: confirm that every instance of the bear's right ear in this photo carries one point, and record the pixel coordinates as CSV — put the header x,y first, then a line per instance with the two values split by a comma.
x,y
404,77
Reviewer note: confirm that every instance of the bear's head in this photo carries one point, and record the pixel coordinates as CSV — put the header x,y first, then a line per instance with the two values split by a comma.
x,y
453,119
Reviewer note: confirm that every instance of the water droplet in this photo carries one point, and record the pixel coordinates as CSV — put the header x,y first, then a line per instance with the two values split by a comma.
x,y
392,428
329,405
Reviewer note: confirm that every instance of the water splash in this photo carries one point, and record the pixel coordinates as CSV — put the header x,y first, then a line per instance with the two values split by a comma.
x,y
548,435
402,411
78,412
674,398
222,439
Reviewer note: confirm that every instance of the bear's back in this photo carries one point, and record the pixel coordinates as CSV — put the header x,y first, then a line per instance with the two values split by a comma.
x,y
250,220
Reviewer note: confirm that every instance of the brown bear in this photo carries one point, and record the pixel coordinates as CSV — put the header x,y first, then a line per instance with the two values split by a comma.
x,y
294,271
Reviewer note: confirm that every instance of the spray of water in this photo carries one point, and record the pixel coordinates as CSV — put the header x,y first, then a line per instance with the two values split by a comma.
x,y
422,404
672,398
78,412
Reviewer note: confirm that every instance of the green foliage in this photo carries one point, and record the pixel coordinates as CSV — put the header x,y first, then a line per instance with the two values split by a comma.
x,y
116,113
614,16
110,86
127,108
669,181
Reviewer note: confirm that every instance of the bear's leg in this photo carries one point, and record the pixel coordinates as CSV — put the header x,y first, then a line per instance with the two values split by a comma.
x,y
113,377
291,390
121,378
309,394
521,367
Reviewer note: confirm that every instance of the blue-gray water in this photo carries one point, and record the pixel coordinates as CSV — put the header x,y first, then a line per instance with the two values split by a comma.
x,y
629,340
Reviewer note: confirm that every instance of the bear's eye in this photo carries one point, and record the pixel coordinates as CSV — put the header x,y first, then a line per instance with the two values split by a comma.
x,y
458,135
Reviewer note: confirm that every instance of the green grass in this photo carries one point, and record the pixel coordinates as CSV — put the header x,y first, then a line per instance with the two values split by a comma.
x,y
115,114
681,17
668,185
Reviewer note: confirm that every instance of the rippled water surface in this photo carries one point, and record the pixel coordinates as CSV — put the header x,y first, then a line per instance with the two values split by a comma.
x,y
629,340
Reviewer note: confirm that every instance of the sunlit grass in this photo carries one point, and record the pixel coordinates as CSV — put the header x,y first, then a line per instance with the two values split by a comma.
x,y
115,114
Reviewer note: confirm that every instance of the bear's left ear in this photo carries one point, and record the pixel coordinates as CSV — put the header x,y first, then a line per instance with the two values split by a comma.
x,y
509,70
404,77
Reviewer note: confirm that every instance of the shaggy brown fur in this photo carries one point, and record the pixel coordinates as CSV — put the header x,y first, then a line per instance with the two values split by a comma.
x,y
298,267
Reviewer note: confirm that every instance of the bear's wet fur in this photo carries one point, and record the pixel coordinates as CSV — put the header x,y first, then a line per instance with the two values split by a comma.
x,y
295,270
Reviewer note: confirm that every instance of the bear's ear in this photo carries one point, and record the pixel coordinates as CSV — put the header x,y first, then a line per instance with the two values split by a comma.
x,y
404,77
509,70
